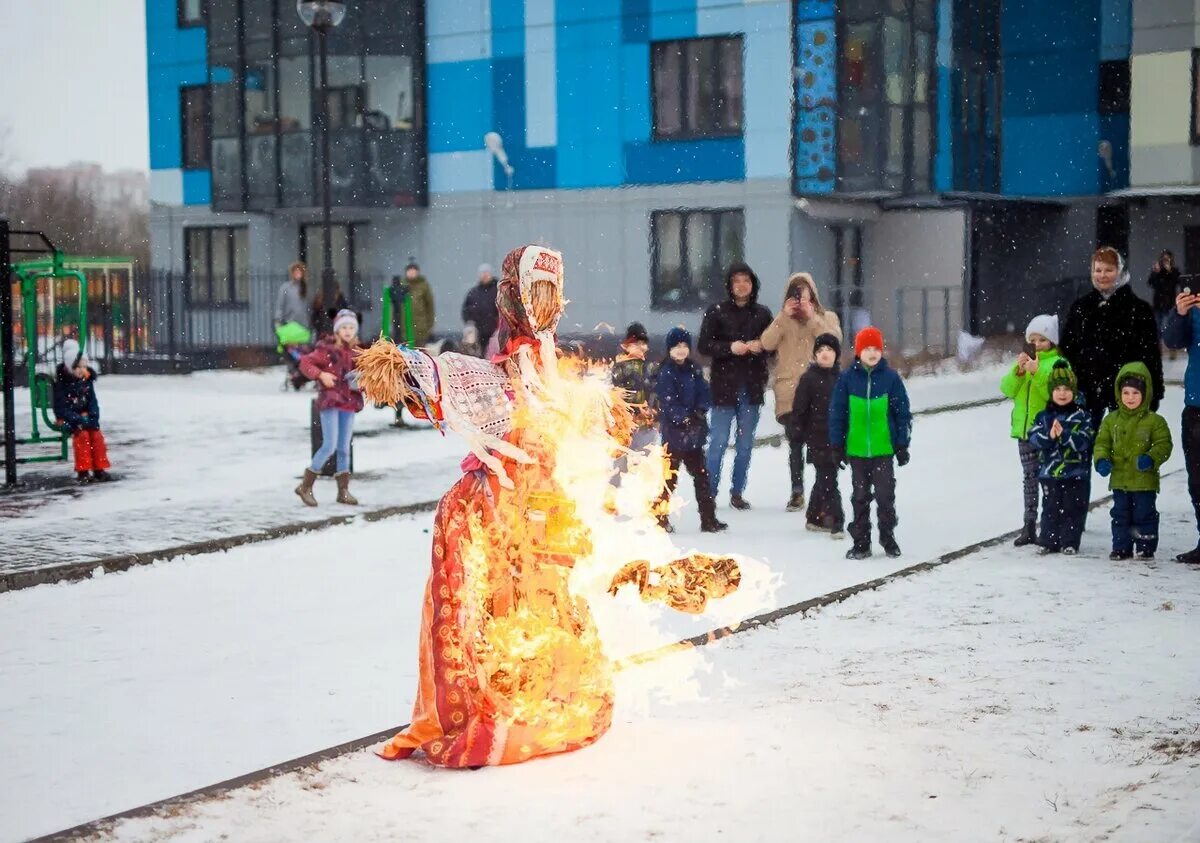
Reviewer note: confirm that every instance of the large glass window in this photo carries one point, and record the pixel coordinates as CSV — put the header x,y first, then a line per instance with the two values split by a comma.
x,y
266,98
690,251
194,117
217,266
885,114
349,249
697,88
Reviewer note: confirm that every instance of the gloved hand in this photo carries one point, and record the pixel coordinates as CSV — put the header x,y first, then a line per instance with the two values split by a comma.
x,y
1144,463
1104,467
902,456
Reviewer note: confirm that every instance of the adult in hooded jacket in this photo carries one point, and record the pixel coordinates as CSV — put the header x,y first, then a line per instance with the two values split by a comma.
x,y
731,336
792,335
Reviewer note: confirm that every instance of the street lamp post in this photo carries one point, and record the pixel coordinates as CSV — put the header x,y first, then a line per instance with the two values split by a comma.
x,y
322,16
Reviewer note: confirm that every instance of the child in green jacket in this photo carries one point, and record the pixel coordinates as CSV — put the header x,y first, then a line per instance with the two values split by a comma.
x,y
1027,384
1132,445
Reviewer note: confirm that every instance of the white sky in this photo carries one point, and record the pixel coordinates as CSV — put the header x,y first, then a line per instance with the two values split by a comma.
x,y
74,83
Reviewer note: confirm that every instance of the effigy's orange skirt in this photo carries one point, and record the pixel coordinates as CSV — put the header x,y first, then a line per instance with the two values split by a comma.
x,y
510,664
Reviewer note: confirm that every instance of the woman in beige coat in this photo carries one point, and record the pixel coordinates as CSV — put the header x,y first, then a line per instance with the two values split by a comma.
x,y
792,335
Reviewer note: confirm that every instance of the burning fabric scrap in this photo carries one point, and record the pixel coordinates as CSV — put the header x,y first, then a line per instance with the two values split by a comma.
x,y
686,584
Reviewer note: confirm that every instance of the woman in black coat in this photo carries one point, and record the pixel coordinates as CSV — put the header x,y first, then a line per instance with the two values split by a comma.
x,y
1164,287
1107,328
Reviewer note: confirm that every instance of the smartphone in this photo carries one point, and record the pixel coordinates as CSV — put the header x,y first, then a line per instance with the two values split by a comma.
x,y
1029,349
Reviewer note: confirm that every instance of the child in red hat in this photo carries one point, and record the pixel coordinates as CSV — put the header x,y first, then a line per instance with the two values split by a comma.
x,y
870,423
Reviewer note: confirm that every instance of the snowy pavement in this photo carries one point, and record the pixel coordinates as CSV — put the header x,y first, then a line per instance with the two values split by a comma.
x,y
1002,697
216,454
130,688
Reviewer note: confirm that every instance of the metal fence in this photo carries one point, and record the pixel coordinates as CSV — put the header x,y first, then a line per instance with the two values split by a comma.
x,y
928,319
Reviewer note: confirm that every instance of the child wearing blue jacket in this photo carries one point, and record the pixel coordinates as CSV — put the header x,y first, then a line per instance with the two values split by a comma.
x,y
683,400
1063,436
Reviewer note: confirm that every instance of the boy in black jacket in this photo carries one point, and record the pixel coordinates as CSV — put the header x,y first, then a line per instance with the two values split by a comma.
x,y
810,425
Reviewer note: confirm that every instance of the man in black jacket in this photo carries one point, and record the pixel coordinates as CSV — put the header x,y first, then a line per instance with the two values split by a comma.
x,y
1164,286
479,308
1107,328
730,336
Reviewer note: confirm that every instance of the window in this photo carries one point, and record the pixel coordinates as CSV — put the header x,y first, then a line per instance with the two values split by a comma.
x,y
1114,87
216,261
1195,97
194,111
697,88
189,13
690,251
349,242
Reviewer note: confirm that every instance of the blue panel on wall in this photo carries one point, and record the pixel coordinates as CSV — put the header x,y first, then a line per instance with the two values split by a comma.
x,y
1051,83
1114,128
588,38
197,187
814,9
508,28
1041,26
460,105
533,169
1050,155
635,92
719,159
814,152
635,20
671,19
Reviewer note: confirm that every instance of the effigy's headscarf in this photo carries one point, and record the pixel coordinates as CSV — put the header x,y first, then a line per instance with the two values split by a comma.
x,y
529,297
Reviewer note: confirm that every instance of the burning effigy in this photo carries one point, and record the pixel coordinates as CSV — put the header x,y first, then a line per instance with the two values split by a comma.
x,y
512,664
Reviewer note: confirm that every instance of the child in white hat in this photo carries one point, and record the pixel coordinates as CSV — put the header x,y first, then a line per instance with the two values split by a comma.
x,y
78,412
1027,384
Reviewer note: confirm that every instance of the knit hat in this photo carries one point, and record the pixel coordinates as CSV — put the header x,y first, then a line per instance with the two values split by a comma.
x,y
72,354
485,267
345,317
636,332
1062,375
1135,381
868,337
827,341
675,336
1045,325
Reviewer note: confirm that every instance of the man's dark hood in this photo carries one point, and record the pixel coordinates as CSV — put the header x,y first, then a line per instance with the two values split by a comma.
x,y
733,270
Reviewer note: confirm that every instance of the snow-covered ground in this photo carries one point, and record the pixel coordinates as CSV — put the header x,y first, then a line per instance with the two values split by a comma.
x,y
1002,697
130,688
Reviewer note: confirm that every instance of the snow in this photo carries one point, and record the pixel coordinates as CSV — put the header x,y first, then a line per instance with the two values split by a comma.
x,y
1001,697
130,688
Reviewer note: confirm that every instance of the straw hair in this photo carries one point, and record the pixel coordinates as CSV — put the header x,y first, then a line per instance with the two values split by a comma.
x,y
381,373
547,304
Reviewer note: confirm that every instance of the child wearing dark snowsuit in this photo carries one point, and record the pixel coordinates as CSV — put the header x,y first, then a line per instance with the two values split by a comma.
x,y
78,411
683,401
1063,434
1026,384
870,423
1131,446
634,374
810,427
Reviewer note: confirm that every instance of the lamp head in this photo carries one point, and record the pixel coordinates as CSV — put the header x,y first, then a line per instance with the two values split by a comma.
x,y
321,15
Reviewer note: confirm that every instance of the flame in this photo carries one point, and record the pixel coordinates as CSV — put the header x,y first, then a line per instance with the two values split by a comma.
x,y
540,563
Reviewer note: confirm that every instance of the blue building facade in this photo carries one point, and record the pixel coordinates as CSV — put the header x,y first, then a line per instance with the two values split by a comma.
x,y
881,144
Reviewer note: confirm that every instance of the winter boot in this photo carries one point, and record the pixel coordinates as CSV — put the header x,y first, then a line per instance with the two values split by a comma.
x,y
1028,535
305,489
859,551
1190,557
1120,555
712,525
83,478
665,524
738,502
343,484
101,476
795,502
1047,551
888,542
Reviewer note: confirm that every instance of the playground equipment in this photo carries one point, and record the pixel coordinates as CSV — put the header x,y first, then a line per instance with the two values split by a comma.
x,y
398,290
42,331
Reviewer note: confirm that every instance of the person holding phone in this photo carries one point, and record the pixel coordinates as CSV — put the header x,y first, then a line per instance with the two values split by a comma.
x,y
1182,331
1164,285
